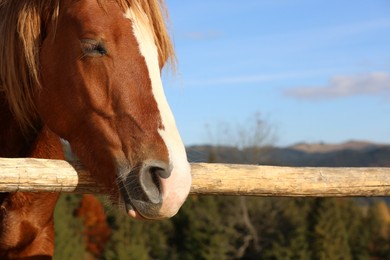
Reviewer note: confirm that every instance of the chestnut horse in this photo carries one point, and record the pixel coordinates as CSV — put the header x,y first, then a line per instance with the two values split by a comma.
x,y
87,71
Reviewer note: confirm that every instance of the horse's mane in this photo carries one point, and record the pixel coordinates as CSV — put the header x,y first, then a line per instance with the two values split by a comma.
x,y
22,30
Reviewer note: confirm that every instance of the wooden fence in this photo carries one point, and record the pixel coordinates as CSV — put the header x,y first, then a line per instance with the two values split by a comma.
x,y
38,175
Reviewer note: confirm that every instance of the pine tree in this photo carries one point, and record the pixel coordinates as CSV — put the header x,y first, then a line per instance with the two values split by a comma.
x,y
199,233
158,234
69,242
284,234
295,212
329,234
127,239
378,224
355,225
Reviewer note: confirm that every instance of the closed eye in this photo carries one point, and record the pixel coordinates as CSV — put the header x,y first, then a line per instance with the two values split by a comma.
x,y
93,48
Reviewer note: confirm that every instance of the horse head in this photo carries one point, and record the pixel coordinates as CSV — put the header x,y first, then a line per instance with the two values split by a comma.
x,y
101,90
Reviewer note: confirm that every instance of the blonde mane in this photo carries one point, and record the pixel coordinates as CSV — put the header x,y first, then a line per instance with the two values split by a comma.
x,y
22,30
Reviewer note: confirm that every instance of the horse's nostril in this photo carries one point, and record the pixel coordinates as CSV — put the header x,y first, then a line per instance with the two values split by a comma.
x,y
150,175
163,173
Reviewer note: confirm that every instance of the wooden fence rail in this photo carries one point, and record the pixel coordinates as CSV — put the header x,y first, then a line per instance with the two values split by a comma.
x,y
40,175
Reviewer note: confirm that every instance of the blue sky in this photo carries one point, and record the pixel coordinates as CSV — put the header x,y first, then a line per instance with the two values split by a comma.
x,y
317,71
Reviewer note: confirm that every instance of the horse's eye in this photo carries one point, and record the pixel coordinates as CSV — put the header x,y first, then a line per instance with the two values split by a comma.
x,y
93,48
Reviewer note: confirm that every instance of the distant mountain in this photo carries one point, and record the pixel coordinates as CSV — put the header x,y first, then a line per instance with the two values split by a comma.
x,y
349,154
325,148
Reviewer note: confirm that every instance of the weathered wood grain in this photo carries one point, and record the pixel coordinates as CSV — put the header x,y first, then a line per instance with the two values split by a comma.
x,y
37,175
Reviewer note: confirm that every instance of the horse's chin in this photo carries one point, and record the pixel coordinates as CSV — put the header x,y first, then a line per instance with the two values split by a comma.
x,y
136,208
128,208
133,213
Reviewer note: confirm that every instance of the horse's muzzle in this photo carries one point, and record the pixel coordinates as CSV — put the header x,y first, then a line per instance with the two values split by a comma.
x,y
141,188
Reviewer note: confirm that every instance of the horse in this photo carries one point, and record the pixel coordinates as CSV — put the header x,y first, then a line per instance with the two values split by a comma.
x,y
88,72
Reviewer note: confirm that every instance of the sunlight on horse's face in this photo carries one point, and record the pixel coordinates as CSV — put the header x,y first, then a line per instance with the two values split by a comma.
x,y
102,91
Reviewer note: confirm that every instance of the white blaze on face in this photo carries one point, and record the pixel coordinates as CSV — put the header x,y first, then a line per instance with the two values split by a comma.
x,y
175,189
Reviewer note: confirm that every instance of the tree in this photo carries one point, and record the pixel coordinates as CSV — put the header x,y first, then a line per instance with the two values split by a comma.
x,y
69,242
254,132
328,231
95,228
127,239
199,230
281,226
134,239
378,224
355,223
253,136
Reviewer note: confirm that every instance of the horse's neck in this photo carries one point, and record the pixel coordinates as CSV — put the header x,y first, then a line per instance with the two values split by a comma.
x,y
13,143
39,142
26,219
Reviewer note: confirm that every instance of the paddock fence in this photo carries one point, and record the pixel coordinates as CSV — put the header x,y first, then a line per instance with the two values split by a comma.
x,y
42,175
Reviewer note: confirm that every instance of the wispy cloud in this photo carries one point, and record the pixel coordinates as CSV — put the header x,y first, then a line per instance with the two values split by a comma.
x,y
237,80
372,84
252,79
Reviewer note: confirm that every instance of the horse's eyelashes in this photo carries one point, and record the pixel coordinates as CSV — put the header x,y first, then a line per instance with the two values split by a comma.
x,y
93,48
